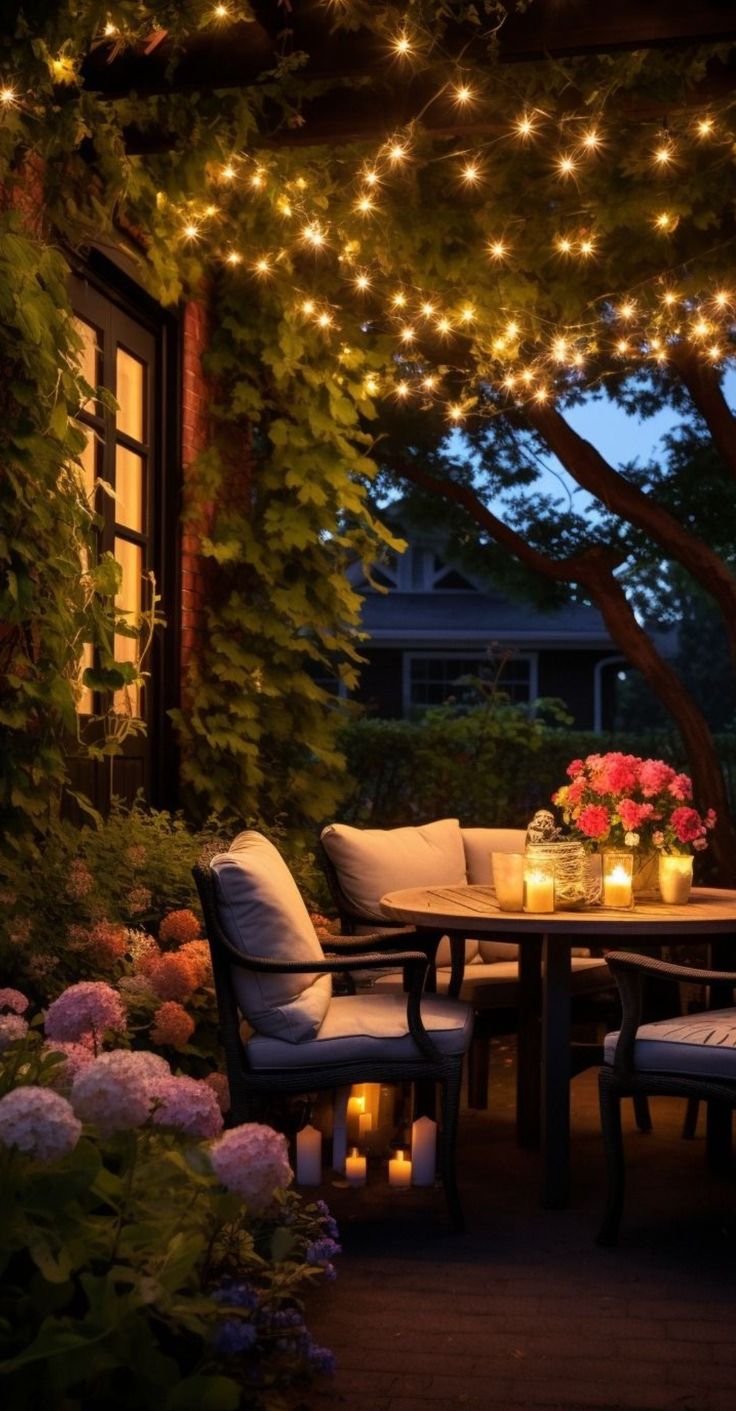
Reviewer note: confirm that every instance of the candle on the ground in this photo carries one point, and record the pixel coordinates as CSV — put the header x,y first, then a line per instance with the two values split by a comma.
x,y
423,1151
399,1171
617,879
355,1168
675,879
539,886
309,1157
508,879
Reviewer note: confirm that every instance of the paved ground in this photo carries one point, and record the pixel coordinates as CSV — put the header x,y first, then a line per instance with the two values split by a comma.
x,y
524,1310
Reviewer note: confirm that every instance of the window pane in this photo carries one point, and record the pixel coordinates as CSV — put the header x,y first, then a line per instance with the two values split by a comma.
x,y
130,601
85,704
89,365
129,488
130,377
88,458
434,680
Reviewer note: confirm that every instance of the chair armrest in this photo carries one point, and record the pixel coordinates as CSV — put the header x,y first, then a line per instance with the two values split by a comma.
x,y
629,972
372,940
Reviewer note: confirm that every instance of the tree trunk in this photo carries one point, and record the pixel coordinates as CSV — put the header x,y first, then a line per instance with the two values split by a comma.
x,y
706,393
593,568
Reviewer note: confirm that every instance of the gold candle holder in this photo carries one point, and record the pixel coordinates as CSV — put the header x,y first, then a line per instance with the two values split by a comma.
x,y
675,879
539,885
618,874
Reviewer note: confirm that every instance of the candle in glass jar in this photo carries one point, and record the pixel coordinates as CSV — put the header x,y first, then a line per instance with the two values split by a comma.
x,y
308,1157
539,888
399,1171
675,879
617,886
355,1168
508,879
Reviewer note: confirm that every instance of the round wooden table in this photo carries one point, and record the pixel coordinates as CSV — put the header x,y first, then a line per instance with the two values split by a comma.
x,y
545,945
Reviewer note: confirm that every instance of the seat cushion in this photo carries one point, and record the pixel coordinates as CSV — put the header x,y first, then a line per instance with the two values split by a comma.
x,y
703,1045
496,985
262,913
372,861
369,1026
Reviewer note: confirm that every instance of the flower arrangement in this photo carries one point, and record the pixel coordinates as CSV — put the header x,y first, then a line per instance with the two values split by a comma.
x,y
620,800
149,1259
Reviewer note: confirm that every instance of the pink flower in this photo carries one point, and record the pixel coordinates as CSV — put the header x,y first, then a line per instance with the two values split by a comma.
x,y
687,823
108,943
681,787
13,999
139,899
172,1025
575,766
575,791
252,1161
654,776
90,1007
38,1122
179,926
594,821
633,814
76,1057
187,1105
116,1091
221,1088
699,844
616,774
80,880
710,819
13,1030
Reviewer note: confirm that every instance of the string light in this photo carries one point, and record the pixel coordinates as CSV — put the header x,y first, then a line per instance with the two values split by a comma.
x,y
664,154
191,231
362,282
591,140
512,329
463,94
714,353
402,389
365,205
234,257
308,307
228,172
467,314
222,12
314,235
669,298
566,165
110,30
704,127
371,386
498,249
627,310
407,335
722,299
263,266
563,243
371,178
444,326
429,383
8,96
541,394
525,127
402,45
471,173
622,347
258,178
428,309
397,152
665,221
399,299
455,411
587,246
325,319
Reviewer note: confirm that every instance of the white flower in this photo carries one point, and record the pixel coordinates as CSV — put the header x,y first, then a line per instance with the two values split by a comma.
x,y
632,840
115,1092
253,1161
39,1122
12,1029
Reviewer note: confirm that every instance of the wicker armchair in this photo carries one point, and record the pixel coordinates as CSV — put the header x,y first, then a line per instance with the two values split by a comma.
x,y
691,1056
360,1038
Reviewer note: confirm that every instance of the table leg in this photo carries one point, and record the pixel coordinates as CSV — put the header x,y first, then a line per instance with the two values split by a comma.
x,y
529,1050
555,1071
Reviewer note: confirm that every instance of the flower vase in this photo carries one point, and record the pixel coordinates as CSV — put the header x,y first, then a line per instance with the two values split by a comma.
x,y
646,876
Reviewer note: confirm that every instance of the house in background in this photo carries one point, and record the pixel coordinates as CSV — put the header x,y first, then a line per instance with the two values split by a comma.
x,y
435,624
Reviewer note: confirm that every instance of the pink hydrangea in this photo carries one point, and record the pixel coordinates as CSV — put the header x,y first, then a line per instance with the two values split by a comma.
x,y
688,824
116,1091
76,1058
252,1161
79,881
221,1088
139,899
13,1000
187,1105
654,776
90,1007
13,1029
681,787
38,1122
615,774
595,821
172,1025
633,814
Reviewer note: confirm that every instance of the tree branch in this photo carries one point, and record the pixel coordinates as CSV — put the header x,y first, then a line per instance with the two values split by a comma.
x,y
706,393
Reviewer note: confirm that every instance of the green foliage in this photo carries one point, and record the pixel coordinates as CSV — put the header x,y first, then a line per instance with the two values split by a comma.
x,y
109,1258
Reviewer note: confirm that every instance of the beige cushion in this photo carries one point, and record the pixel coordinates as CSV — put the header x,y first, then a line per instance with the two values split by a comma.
x,y
373,861
262,913
496,985
371,1027
703,1045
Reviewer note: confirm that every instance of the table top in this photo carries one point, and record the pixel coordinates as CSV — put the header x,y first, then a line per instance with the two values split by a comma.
x,y
475,910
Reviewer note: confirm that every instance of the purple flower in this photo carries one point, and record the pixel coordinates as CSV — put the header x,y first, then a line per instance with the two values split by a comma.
x,y
235,1336
322,1251
320,1359
236,1295
328,1220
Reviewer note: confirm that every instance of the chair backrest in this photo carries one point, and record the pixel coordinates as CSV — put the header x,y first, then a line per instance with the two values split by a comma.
x,y
481,843
261,912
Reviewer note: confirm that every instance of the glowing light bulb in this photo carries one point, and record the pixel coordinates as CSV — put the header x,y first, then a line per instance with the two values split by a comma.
x,y
527,376
371,178
407,335
455,411
398,299
541,394
402,389
704,127
110,30
470,173
402,45
314,236
525,126
325,319
463,94
467,314
566,165
669,298
365,204
559,349
371,386
429,383
62,69
263,266
428,309
191,231
257,179
498,249
722,299
8,96
701,329
655,344
509,381
622,347
308,307
591,140
665,221
444,326
234,257
664,154
397,152
210,211
587,247
362,282
627,309
578,360
228,172
222,12
714,353
512,328
564,244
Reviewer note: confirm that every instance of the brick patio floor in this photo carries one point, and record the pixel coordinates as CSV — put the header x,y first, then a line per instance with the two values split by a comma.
x,y
524,1310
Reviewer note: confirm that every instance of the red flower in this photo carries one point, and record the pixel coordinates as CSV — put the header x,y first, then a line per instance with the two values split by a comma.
x,y
595,821
688,824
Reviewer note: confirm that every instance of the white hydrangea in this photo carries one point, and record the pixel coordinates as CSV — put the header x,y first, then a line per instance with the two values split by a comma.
x,y
115,1092
38,1122
253,1161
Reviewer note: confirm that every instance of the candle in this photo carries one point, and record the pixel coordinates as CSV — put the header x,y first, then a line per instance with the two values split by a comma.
x,y
423,1151
339,1129
675,879
356,1105
309,1157
508,879
617,869
539,887
399,1171
355,1168
365,1124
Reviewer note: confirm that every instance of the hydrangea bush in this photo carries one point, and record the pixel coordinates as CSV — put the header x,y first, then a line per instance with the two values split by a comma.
x,y
149,1260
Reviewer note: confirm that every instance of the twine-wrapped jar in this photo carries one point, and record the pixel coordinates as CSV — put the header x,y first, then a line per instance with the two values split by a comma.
x,y
577,880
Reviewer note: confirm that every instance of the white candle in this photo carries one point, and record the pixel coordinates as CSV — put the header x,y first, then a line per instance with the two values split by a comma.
x,y
355,1168
539,891
339,1129
309,1157
508,879
675,879
617,887
365,1124
423,1151
399,1171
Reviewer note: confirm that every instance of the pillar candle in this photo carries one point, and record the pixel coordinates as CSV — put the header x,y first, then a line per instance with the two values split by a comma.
x,y
617,887
423,1151
539,890
675,879
399,1171
355,1168
309,1157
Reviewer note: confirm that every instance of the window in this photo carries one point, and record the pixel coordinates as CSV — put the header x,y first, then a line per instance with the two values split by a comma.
x,y
434,678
